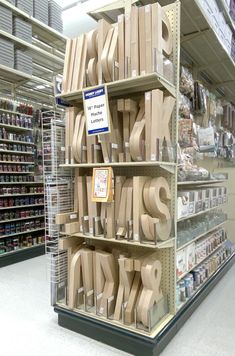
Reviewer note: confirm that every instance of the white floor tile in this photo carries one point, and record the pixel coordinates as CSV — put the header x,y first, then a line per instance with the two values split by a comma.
x,y
28,324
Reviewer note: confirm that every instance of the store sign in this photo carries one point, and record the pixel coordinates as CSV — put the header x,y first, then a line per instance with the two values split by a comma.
x,y
96,109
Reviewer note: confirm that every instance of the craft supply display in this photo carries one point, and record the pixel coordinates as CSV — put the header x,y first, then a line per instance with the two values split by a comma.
x,y
147,216
21,190
140,42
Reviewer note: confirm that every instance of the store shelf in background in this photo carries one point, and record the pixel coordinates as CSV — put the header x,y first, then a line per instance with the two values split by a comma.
x,y
14,113
201,235
19,195
41,30
20,219
22,233
15,128
16,76
15,162
202,182
159,245
17,152
21,183
20,206
127,86
18,142
200,213
22,254
206,49
188,300
202,44
225,9
39,55
199,263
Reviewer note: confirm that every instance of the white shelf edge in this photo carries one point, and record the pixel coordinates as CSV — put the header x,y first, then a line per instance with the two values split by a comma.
x,y
202,182
15,112
15,162
199,236
17,152
19,195
22,233
21,206
200,213
19,219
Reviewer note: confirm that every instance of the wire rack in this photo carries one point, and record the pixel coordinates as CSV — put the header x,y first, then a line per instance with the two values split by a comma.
x,y
58,198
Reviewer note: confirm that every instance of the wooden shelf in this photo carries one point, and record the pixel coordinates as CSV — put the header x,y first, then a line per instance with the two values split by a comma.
x,y
20,219
15,162
19,195
18,142
199,263
21,206
22,233
201,235
17,152
14,113
160,244
127,86
16,128
200,213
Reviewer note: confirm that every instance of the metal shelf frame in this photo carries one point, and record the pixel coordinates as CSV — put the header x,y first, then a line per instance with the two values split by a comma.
x,y
126,86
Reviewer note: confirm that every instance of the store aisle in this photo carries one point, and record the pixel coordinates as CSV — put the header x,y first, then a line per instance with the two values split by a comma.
x,y
28,325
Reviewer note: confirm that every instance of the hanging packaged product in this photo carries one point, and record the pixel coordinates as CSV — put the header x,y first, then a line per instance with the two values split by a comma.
x,y
206,139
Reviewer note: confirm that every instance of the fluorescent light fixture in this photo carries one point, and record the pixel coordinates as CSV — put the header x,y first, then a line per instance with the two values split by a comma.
x,y
40,86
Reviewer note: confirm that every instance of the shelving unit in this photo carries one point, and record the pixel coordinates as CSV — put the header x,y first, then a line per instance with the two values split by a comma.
x,y
211,60
200,213
47,50
201,235
21,206
15,128
199,263
12,242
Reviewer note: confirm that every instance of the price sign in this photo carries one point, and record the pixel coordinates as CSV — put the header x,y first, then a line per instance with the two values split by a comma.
x,y
96,110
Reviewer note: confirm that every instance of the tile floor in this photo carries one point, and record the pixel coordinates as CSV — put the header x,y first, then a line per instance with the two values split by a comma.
x,y
28,325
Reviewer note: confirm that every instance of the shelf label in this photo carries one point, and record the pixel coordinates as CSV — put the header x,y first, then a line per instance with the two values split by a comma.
x,y
96,110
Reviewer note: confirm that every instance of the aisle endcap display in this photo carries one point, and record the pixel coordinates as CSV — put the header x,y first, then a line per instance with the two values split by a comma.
x,y
147,243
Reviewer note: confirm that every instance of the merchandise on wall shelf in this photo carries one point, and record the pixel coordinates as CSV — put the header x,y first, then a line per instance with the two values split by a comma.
x,y
195,280
192,255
